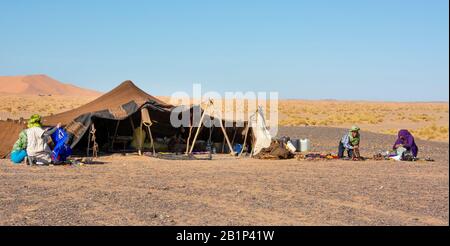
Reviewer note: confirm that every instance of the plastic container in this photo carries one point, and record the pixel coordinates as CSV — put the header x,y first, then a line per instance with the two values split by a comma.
x,y
291,147
305,145
237,148
296,143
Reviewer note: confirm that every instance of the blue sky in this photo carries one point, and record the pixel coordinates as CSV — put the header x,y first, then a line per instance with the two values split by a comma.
x,y
362,49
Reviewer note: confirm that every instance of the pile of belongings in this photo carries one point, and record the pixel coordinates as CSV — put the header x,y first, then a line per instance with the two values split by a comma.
x,y
276,151
401,154
317,156
381,156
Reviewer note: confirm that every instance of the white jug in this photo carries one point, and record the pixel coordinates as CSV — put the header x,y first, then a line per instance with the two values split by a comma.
x,y
291,147
305,145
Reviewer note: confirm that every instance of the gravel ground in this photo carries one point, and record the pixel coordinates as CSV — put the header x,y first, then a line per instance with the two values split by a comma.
x,y
133,190
326,139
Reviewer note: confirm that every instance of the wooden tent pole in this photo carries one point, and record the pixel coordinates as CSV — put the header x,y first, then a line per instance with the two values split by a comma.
x,y
89,144
151,139
198,129
115,135
94,142
253,137
225,134
245,139
139,135
234,135
226,138
189,137
223,145
211,102
132,125
147,121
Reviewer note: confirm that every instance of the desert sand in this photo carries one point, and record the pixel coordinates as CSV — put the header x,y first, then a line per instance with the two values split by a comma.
x,y
426,120
139,190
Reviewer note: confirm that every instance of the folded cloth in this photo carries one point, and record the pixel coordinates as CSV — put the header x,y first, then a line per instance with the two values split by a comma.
x,y
17,156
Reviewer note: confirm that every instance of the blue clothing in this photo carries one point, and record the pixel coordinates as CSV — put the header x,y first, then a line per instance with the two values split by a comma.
x,y
62,150
341,151
17,156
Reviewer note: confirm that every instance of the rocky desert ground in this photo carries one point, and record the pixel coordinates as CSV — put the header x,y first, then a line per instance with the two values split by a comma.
x,y
139,190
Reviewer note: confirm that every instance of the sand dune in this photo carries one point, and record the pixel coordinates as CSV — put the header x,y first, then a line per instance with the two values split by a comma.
x,y
41,85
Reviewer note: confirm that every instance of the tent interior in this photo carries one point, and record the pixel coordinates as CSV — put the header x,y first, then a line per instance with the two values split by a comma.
x,y
114,136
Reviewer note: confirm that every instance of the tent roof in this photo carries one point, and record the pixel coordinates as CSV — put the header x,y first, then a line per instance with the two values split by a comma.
x,y
122,94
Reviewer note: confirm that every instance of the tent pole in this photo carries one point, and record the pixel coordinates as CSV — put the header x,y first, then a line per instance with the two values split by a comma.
x,y
94,143
115,135
132,125
146,121
198,129
234,136
89,144
132,133
151,140
253,144
189,137
224,131
245,139
253,139
140,139
226,137
223,145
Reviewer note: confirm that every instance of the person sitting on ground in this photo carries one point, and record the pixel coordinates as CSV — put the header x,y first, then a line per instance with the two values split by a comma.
x,y
405,143
19,152
350,142
37,141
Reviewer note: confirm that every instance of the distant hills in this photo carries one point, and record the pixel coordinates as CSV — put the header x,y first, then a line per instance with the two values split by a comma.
x,y
41,85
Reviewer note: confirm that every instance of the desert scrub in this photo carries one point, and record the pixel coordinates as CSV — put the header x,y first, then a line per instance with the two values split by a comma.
x,y
432,132
421,118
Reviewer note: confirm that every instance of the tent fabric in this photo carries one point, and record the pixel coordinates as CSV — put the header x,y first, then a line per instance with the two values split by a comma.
x,y
79,126
9,133
118,104
112,101
260,132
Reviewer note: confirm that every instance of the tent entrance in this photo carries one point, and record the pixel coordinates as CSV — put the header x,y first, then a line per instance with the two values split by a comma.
x,y
122,136
111,135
